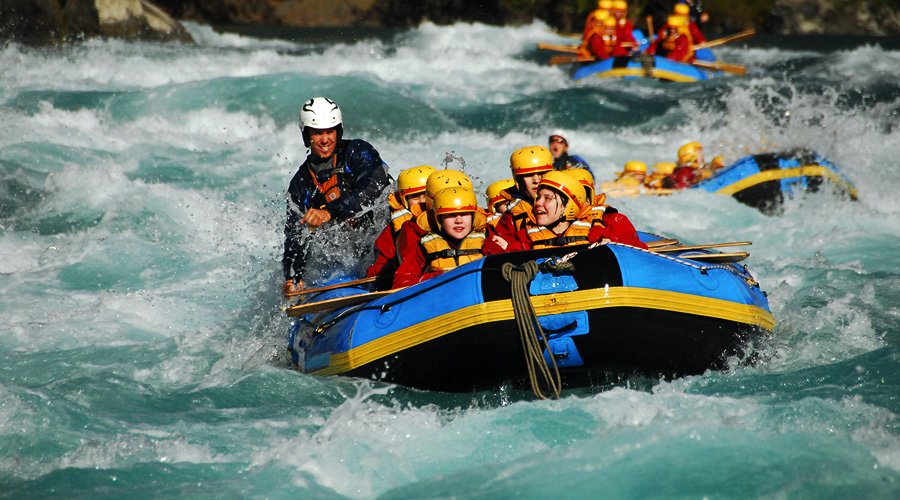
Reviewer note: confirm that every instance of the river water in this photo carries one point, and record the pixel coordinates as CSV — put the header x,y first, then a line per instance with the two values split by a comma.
x,y
143,345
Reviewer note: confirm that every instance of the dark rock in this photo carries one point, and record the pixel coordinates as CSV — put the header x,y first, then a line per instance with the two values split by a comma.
x,y
50,22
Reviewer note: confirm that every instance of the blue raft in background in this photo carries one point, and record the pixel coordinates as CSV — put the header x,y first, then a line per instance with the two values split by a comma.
x,y
648,66
764,181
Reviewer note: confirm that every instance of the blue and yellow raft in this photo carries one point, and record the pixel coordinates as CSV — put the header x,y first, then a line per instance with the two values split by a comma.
x,y
644,65
620,311
764,181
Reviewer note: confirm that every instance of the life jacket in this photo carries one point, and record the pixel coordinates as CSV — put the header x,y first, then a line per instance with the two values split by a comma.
x,y
330,190
575,234
655,181
670,42
399,213
493,219
519,209
440,256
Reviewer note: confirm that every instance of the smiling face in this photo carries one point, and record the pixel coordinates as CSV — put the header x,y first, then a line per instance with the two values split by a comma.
x,y
323,142
548,207
456,226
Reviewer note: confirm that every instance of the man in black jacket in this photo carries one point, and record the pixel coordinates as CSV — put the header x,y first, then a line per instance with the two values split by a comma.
x,y
338,181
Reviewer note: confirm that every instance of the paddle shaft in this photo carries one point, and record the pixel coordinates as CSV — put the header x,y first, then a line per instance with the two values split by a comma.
x,y
336,303
571,49
703,246
737,69
335,286
725,39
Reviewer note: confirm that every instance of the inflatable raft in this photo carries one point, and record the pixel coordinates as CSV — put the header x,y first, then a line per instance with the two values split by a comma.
x,y
618,310
764,181
647,66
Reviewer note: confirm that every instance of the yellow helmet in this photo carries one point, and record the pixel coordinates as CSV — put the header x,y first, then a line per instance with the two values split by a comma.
x,y
609,22
664,168
443,179
599,15
585,178
619,5
412,181
455,200
682,9
605,4
677,21
635,167
494,191
531,160
689,154
563,183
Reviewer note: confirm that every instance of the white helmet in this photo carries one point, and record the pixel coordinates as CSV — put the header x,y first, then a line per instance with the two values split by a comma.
x,y
320,113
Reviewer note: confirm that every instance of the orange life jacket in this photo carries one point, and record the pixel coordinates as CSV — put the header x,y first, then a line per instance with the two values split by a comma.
x,y
440,256
575,234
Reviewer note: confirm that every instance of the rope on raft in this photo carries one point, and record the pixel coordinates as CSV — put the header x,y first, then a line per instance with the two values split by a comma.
x,y
542,380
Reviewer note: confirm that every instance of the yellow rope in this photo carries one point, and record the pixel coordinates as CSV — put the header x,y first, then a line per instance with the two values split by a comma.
x,y
530,332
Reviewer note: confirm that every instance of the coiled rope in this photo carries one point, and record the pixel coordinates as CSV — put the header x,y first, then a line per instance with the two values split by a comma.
x,y
543,381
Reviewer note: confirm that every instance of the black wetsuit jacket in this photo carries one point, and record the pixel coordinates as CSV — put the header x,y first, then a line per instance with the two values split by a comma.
x,y
361,179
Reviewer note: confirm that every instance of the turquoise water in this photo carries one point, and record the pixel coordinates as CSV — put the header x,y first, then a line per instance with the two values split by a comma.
x,y
143,349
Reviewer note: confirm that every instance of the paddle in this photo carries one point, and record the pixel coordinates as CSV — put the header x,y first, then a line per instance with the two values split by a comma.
x,y
338,303
665,242
571,49
725,39
703,246
570,59
335,286
717,257
737,69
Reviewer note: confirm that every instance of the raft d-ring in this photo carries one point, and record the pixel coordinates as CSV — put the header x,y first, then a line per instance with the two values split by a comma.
x,y
706,280
388,314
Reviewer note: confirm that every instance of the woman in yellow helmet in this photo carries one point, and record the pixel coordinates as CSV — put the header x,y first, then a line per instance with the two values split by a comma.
x,y
562,216
660,171
629,181
406,203
686,173
528,165
452,242
674,41
497,201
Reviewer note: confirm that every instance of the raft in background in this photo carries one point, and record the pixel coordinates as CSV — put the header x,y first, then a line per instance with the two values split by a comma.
x,y
621,311
648,66
763,181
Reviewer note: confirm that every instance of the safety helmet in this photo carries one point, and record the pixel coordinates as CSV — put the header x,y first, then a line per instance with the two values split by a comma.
x,y
320,113
677,21
599,15
605,4
610,22
443,179
619,5
585,178
682,9
689,154
530,160
412,181
574,195
495,190
664,168
635,167
455,200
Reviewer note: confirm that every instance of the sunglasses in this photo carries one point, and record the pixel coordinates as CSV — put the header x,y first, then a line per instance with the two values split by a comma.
x,y
556,138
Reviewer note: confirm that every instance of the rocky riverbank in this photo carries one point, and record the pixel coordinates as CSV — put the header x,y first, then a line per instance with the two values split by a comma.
x,y
42,22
